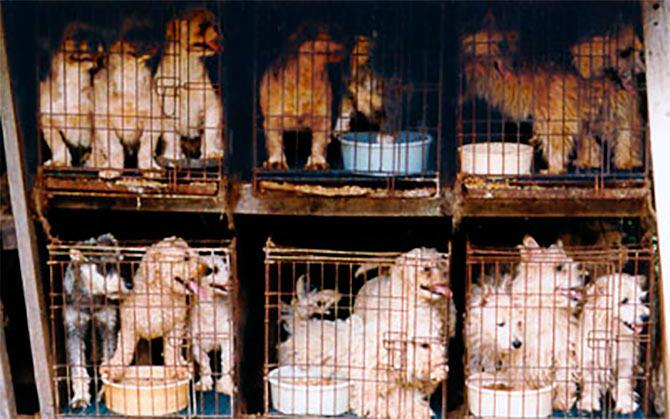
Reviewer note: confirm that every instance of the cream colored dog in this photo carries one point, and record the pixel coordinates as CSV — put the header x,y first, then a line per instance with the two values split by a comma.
x,y
191,106
614,316
126,106
65,96
211,321
156,307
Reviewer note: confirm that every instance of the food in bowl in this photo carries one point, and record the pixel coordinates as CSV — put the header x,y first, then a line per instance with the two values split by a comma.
x,y
488,397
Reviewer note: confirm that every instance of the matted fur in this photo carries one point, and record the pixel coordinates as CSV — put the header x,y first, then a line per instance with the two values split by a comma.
x,y
190,104
211,326
156,307
66,95
567,111
295,94
613,316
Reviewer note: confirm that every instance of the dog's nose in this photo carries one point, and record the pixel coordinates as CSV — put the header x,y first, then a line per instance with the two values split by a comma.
x,y
644,317
516,344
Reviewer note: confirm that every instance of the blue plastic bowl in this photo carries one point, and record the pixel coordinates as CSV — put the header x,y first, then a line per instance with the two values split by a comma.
x,y
408,154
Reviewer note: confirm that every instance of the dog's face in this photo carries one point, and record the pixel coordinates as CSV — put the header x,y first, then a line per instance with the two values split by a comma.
x,y
426,360
497,321
322,47
217,279
142,52
362,50
175,266
489,43
625,298
308,302
196,32
81,45
427,271
99,270
623,51
547,271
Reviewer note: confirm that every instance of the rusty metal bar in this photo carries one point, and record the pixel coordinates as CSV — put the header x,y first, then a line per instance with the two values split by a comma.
x,y
25,233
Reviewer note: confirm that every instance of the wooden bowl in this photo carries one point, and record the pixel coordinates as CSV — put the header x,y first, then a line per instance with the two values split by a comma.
x,y
147,391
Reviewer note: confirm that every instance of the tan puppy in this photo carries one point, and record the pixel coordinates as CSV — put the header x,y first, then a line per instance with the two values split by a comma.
x,y
566,110
66,106
295,94
156,307
191,106
126,107
364,94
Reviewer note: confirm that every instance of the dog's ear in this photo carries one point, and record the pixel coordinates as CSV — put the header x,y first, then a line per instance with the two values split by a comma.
x,y
300,288
529,242
528,247
76,255
559,243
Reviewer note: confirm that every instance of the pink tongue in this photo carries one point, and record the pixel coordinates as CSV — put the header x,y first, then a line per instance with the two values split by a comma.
x,y
196,289
442,289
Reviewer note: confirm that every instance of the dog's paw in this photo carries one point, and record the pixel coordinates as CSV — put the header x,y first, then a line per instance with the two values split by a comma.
x,y
56,163
275,165
316,166
151,174
626,405
109,173
81,397
589,404
213,154
225,385
205,384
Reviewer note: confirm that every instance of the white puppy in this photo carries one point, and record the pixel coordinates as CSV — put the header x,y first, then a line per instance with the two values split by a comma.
x,y
191,106
211,326
66,106
614,316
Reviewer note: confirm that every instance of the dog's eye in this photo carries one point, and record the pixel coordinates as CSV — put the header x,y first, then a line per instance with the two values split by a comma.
x,y
626,53
187,258
559,268
215,270
425,345
624,301
501,324
427,269
519,323
644,297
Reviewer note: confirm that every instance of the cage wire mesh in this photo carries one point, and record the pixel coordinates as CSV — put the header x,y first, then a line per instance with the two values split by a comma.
x,y
142,328
565,329
362,333
348,94
553,92
130,93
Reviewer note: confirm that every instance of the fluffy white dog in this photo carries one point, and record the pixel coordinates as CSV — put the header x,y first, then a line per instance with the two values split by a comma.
x,y
614,315
211,325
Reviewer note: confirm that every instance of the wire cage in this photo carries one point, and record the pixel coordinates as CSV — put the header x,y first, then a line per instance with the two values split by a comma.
x,y
348,94
129,98
133,326
568,331
553,93
362,333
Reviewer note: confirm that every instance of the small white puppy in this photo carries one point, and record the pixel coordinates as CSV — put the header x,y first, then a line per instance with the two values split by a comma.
x,y
614,316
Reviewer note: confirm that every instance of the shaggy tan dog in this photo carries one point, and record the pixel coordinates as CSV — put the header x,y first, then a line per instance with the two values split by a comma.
x,y
364,94
295,94
65,96
211,322
566,110
613,318
191,106
126,106
620,50
156,307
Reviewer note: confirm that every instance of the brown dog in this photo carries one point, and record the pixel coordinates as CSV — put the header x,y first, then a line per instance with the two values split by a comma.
x,y
566,110
295,94
156,307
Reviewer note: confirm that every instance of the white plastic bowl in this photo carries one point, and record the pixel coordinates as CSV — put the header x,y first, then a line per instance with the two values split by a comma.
x,y
489,403
496,158
405,153
329,399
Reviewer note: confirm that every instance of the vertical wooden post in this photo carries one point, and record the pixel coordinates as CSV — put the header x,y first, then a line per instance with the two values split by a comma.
x,y
7,402
25,234
656,21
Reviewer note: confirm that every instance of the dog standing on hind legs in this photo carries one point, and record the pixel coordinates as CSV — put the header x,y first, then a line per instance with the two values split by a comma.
x,y
295,93
92,287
